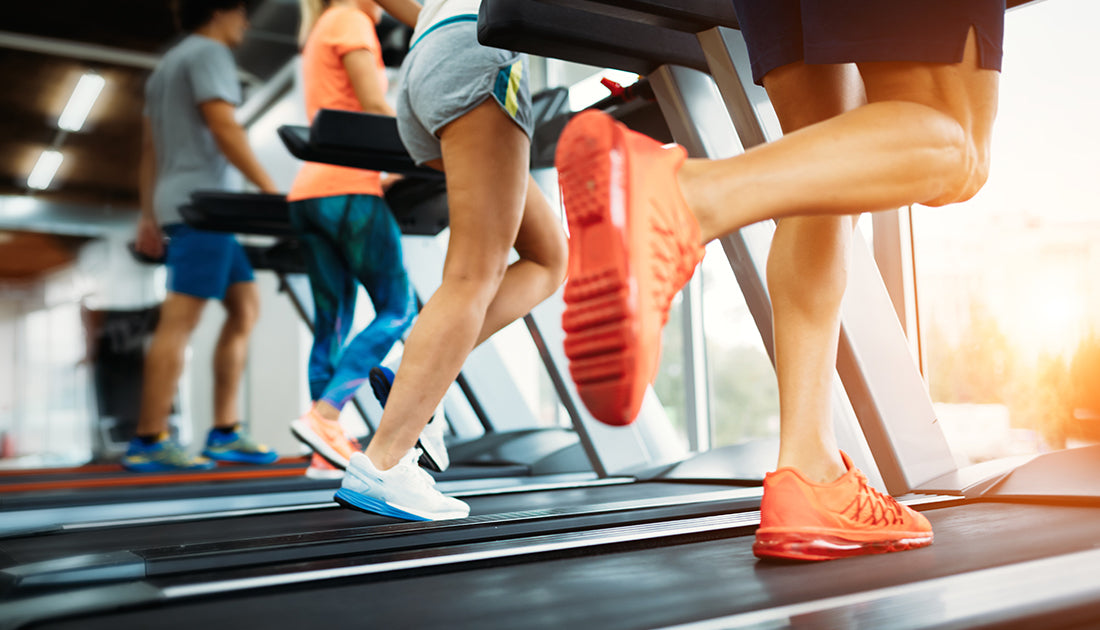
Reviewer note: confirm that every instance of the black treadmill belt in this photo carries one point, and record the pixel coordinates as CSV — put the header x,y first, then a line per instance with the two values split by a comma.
x,y
174,491
641,588
208,532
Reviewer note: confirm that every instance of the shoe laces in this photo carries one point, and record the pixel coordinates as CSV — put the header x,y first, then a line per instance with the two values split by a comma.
x,y
873,507
411,469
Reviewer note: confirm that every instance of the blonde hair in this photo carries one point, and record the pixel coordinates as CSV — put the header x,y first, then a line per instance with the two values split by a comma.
x,y
311,12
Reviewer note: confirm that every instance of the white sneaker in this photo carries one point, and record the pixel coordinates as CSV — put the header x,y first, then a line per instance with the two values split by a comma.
x,y
405,491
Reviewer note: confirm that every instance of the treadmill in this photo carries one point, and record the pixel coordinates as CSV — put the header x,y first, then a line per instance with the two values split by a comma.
x,y
94,552
988,566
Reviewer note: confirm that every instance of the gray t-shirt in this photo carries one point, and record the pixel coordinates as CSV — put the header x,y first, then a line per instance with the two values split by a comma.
x,y
195,71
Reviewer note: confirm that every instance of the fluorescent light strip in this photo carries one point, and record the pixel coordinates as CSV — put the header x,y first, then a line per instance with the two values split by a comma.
x,y
80,103
44,169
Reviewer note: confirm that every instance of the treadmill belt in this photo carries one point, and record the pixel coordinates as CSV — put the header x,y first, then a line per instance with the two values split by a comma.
x,y
640,588
292,524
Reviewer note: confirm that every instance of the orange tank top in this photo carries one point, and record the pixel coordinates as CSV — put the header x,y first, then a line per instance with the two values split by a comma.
x,y
339,31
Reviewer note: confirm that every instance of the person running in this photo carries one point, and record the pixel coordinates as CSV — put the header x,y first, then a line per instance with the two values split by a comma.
x,y
884,104
347,231
190,140
464,109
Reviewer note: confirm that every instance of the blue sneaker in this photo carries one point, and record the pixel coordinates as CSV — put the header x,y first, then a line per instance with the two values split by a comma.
x,y
433,450
162,456
237,447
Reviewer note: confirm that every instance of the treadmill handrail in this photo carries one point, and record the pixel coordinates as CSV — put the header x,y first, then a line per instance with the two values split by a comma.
x,y
575,34
296,138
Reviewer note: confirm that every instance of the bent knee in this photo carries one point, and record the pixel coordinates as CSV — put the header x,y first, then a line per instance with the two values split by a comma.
x,y
968,170
556,261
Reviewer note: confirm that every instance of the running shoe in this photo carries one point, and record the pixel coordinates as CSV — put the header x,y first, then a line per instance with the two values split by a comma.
x,y
161,456
433,449
633,245
319,468
405,491
802,520
325,437
237,447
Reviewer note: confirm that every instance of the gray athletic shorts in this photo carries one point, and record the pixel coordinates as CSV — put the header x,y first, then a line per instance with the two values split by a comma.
x,y
446,74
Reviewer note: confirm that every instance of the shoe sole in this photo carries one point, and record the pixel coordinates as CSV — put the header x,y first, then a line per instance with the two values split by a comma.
x,y
380,385
146,468
239,458
306,435
600,320
791,546
363,503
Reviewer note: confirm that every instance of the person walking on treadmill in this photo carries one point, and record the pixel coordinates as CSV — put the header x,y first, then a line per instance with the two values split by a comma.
x,y
466,110
884,104
190,139
347,231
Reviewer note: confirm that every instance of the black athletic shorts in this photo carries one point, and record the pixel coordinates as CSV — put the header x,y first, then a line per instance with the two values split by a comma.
x,y
779,32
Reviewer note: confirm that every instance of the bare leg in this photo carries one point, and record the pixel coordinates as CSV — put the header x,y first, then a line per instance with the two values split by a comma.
x,y
242,308
807,275
540,269
923,137
485,158
179,314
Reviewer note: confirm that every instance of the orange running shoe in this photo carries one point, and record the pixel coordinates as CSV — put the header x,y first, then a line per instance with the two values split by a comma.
x,y
325,437
802,520
633,245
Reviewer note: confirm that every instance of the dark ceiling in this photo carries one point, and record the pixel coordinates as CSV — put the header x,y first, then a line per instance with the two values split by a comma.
x,y
46,45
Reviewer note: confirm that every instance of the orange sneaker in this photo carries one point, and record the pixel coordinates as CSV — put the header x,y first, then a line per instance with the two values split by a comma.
x,y
319,468
633,245
802,520
325,437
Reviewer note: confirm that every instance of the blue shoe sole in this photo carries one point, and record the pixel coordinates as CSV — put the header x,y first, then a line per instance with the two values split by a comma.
x,y
363,503
242,458
155,467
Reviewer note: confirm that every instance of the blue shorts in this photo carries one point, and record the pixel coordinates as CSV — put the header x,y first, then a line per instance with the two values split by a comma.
x,y
203,264
780,32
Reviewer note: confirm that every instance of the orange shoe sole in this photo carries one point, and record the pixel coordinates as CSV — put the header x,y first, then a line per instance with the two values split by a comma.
x,y
795,546
600,321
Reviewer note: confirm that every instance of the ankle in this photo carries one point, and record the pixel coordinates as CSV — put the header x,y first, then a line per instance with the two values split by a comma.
x,y
380,460
326,411
820,468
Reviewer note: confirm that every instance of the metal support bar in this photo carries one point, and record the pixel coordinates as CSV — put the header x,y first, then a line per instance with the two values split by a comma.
x,y
696,391
75,50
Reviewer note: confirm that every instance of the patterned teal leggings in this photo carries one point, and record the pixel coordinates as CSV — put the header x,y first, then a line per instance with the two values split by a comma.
x,y
348,240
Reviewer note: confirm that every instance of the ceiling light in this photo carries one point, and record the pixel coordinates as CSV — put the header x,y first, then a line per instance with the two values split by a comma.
x,y
44,169
80,103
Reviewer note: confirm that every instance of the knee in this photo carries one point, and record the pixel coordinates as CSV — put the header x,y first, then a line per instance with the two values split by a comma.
x,y
967,166
242,315
477,281
396,314
558,262
554,259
